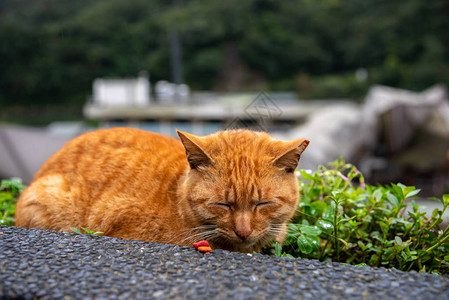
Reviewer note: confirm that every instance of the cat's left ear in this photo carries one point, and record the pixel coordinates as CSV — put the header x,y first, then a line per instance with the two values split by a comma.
x,y
195,155
289,160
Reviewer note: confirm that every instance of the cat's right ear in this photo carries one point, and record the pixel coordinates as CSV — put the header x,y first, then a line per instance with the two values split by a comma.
x,y
195,155
289,160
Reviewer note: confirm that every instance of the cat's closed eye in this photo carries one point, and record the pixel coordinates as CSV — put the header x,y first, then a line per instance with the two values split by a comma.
x,y
224,205
263,203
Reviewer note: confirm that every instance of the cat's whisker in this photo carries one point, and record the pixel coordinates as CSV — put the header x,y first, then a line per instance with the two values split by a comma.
x,y
277,231
209,237
280,229
306,214
200,235
196,235
180,234
205,226
294,232
187,233
212,236
278,225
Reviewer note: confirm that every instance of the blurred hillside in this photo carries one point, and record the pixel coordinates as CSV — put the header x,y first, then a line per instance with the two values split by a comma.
x,y
52,50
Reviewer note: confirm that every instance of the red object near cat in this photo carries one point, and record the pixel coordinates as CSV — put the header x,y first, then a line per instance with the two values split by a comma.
x,y
201,244
205,249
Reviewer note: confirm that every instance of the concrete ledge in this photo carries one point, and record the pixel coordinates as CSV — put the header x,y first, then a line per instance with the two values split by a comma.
x,y
51,265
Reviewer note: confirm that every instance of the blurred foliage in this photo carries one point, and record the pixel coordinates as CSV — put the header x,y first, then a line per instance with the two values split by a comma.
x,y
10,191
36,114
52,50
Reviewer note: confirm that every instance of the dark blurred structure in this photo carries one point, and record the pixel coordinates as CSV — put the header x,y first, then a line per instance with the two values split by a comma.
x,y
412,140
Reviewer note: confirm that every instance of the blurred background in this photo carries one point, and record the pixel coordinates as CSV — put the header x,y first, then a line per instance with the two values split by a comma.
x,y
362,80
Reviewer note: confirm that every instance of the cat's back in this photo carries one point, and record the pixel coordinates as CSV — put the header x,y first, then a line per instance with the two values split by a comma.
x,y
106,147
103,174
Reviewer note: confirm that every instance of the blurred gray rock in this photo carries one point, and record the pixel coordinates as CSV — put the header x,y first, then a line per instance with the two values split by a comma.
x,y
392,116
333,131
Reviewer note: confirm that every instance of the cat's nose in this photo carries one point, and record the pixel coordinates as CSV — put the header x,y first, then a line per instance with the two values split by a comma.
x,y
243,234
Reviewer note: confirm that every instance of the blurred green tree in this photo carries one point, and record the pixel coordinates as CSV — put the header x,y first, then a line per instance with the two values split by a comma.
x,y
52,50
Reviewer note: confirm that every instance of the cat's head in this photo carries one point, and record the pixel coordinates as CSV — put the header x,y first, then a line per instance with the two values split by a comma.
x,y
241,189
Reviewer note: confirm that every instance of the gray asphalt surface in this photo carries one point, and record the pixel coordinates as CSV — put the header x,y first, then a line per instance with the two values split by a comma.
x,y
36,264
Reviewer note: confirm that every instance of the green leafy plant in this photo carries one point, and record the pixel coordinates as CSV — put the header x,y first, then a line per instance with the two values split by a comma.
x,y
9,193
340,218
86,231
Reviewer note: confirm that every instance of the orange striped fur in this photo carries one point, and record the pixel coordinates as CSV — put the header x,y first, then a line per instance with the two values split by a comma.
x,y
236,188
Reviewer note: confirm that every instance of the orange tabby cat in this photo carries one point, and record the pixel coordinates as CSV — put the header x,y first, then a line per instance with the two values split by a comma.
x,y
236,189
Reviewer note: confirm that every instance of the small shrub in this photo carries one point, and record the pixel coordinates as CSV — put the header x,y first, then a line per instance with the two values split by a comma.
x,y
86,231
9,193
340,218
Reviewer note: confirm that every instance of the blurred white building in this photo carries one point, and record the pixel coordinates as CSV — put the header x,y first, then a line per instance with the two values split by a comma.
x,y
122,92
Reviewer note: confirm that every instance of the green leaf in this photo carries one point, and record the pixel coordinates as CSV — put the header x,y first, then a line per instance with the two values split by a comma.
x,y
384,227
398,240
88,231
325,226
393,199
289,239
305,246
336,194
317,207
374,259
329,214
413,215
293,229
314,241
401,185
412,193
310,230
436,212
398,190
76,230
306,175
277,249
446,199
361,245
378,194
405,256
